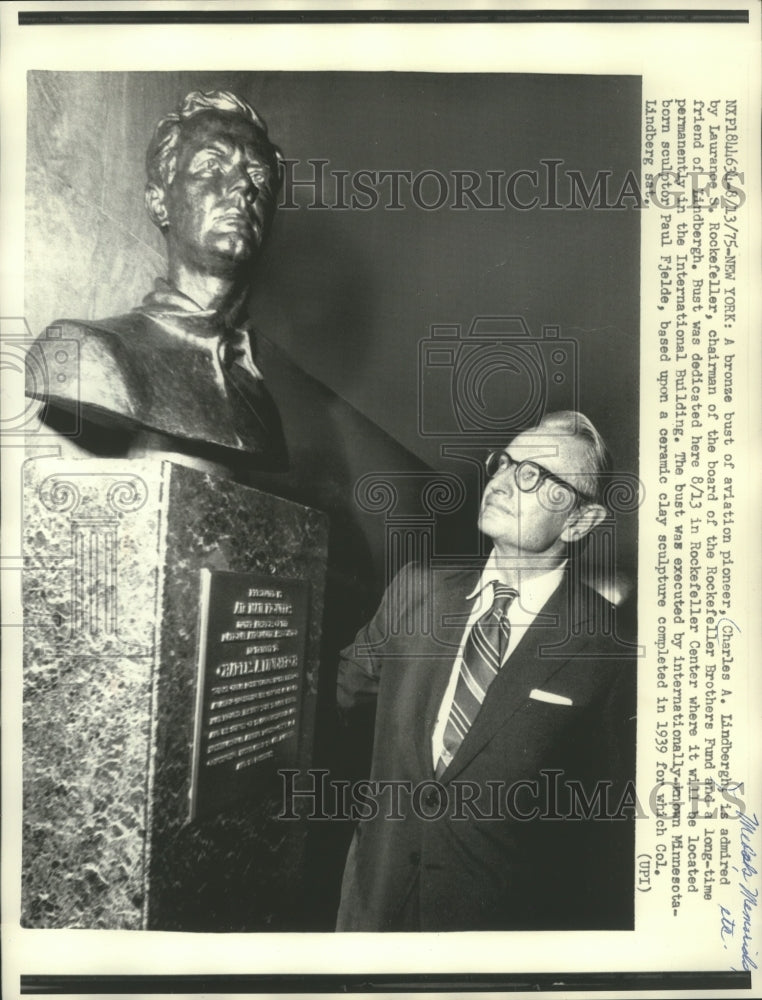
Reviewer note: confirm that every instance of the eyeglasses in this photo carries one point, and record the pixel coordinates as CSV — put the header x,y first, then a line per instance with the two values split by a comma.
x,y
530,475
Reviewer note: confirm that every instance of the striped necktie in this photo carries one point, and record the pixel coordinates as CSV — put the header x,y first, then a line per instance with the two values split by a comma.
x,y
482,655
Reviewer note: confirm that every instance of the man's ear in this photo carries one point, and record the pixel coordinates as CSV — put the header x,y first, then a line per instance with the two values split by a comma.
x,y
155,205
582,521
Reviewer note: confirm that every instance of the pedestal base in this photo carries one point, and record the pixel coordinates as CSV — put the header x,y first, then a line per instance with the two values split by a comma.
x,y
113,558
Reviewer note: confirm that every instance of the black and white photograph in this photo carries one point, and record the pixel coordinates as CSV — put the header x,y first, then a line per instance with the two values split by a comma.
x,y
377,465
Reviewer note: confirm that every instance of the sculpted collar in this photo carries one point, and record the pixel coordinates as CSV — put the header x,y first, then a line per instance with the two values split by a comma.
x,y
206,329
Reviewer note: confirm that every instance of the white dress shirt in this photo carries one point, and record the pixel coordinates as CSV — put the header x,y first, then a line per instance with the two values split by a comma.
x,y
533,595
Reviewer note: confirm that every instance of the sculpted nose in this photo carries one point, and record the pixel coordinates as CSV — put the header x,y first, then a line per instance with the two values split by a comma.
x,y
240,183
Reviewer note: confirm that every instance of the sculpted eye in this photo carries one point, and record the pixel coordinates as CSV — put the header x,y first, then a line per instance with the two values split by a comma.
x,y
209,165
258,176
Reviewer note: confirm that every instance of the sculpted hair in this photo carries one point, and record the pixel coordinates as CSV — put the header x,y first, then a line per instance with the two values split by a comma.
x,y
162,150
572,422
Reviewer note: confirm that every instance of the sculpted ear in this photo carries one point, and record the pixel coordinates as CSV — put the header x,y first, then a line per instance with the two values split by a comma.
x,y
280,170
155,205
582,522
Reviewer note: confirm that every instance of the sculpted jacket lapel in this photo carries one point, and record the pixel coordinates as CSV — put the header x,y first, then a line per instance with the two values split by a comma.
x,y
523,670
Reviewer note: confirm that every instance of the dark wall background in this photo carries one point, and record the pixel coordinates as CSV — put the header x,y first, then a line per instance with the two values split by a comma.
x,y
350,295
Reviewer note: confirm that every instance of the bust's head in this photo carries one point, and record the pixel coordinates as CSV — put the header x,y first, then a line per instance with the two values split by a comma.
x,y
213,176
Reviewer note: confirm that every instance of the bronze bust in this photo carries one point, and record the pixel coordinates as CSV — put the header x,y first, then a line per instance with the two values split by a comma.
x,y
178,371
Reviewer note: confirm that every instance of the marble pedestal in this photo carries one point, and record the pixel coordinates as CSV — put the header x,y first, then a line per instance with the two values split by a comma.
x,y
113,557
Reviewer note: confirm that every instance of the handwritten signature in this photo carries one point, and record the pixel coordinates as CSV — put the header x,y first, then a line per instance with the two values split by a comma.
x,y
749,897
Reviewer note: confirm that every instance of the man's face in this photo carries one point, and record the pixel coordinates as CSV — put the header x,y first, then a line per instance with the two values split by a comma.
x,y
543,521
220,198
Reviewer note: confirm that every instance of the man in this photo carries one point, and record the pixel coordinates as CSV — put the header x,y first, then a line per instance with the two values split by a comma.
x,y
177,373
506,746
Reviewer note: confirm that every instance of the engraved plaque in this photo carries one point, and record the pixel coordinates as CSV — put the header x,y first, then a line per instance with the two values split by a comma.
x,y
251,662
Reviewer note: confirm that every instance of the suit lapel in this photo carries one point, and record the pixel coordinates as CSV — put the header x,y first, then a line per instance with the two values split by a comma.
x,y
433,668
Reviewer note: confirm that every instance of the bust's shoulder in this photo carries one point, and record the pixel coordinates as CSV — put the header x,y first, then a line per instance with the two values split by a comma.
x,y
100,336
92,363
111,333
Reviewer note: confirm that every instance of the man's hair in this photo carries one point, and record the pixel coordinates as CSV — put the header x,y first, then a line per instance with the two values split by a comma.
x,y
162,150
594,481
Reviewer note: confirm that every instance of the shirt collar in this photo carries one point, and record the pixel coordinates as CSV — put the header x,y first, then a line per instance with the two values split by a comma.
x,y
535,591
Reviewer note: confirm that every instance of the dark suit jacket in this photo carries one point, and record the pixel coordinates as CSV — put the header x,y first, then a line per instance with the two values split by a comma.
x,y
463,871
